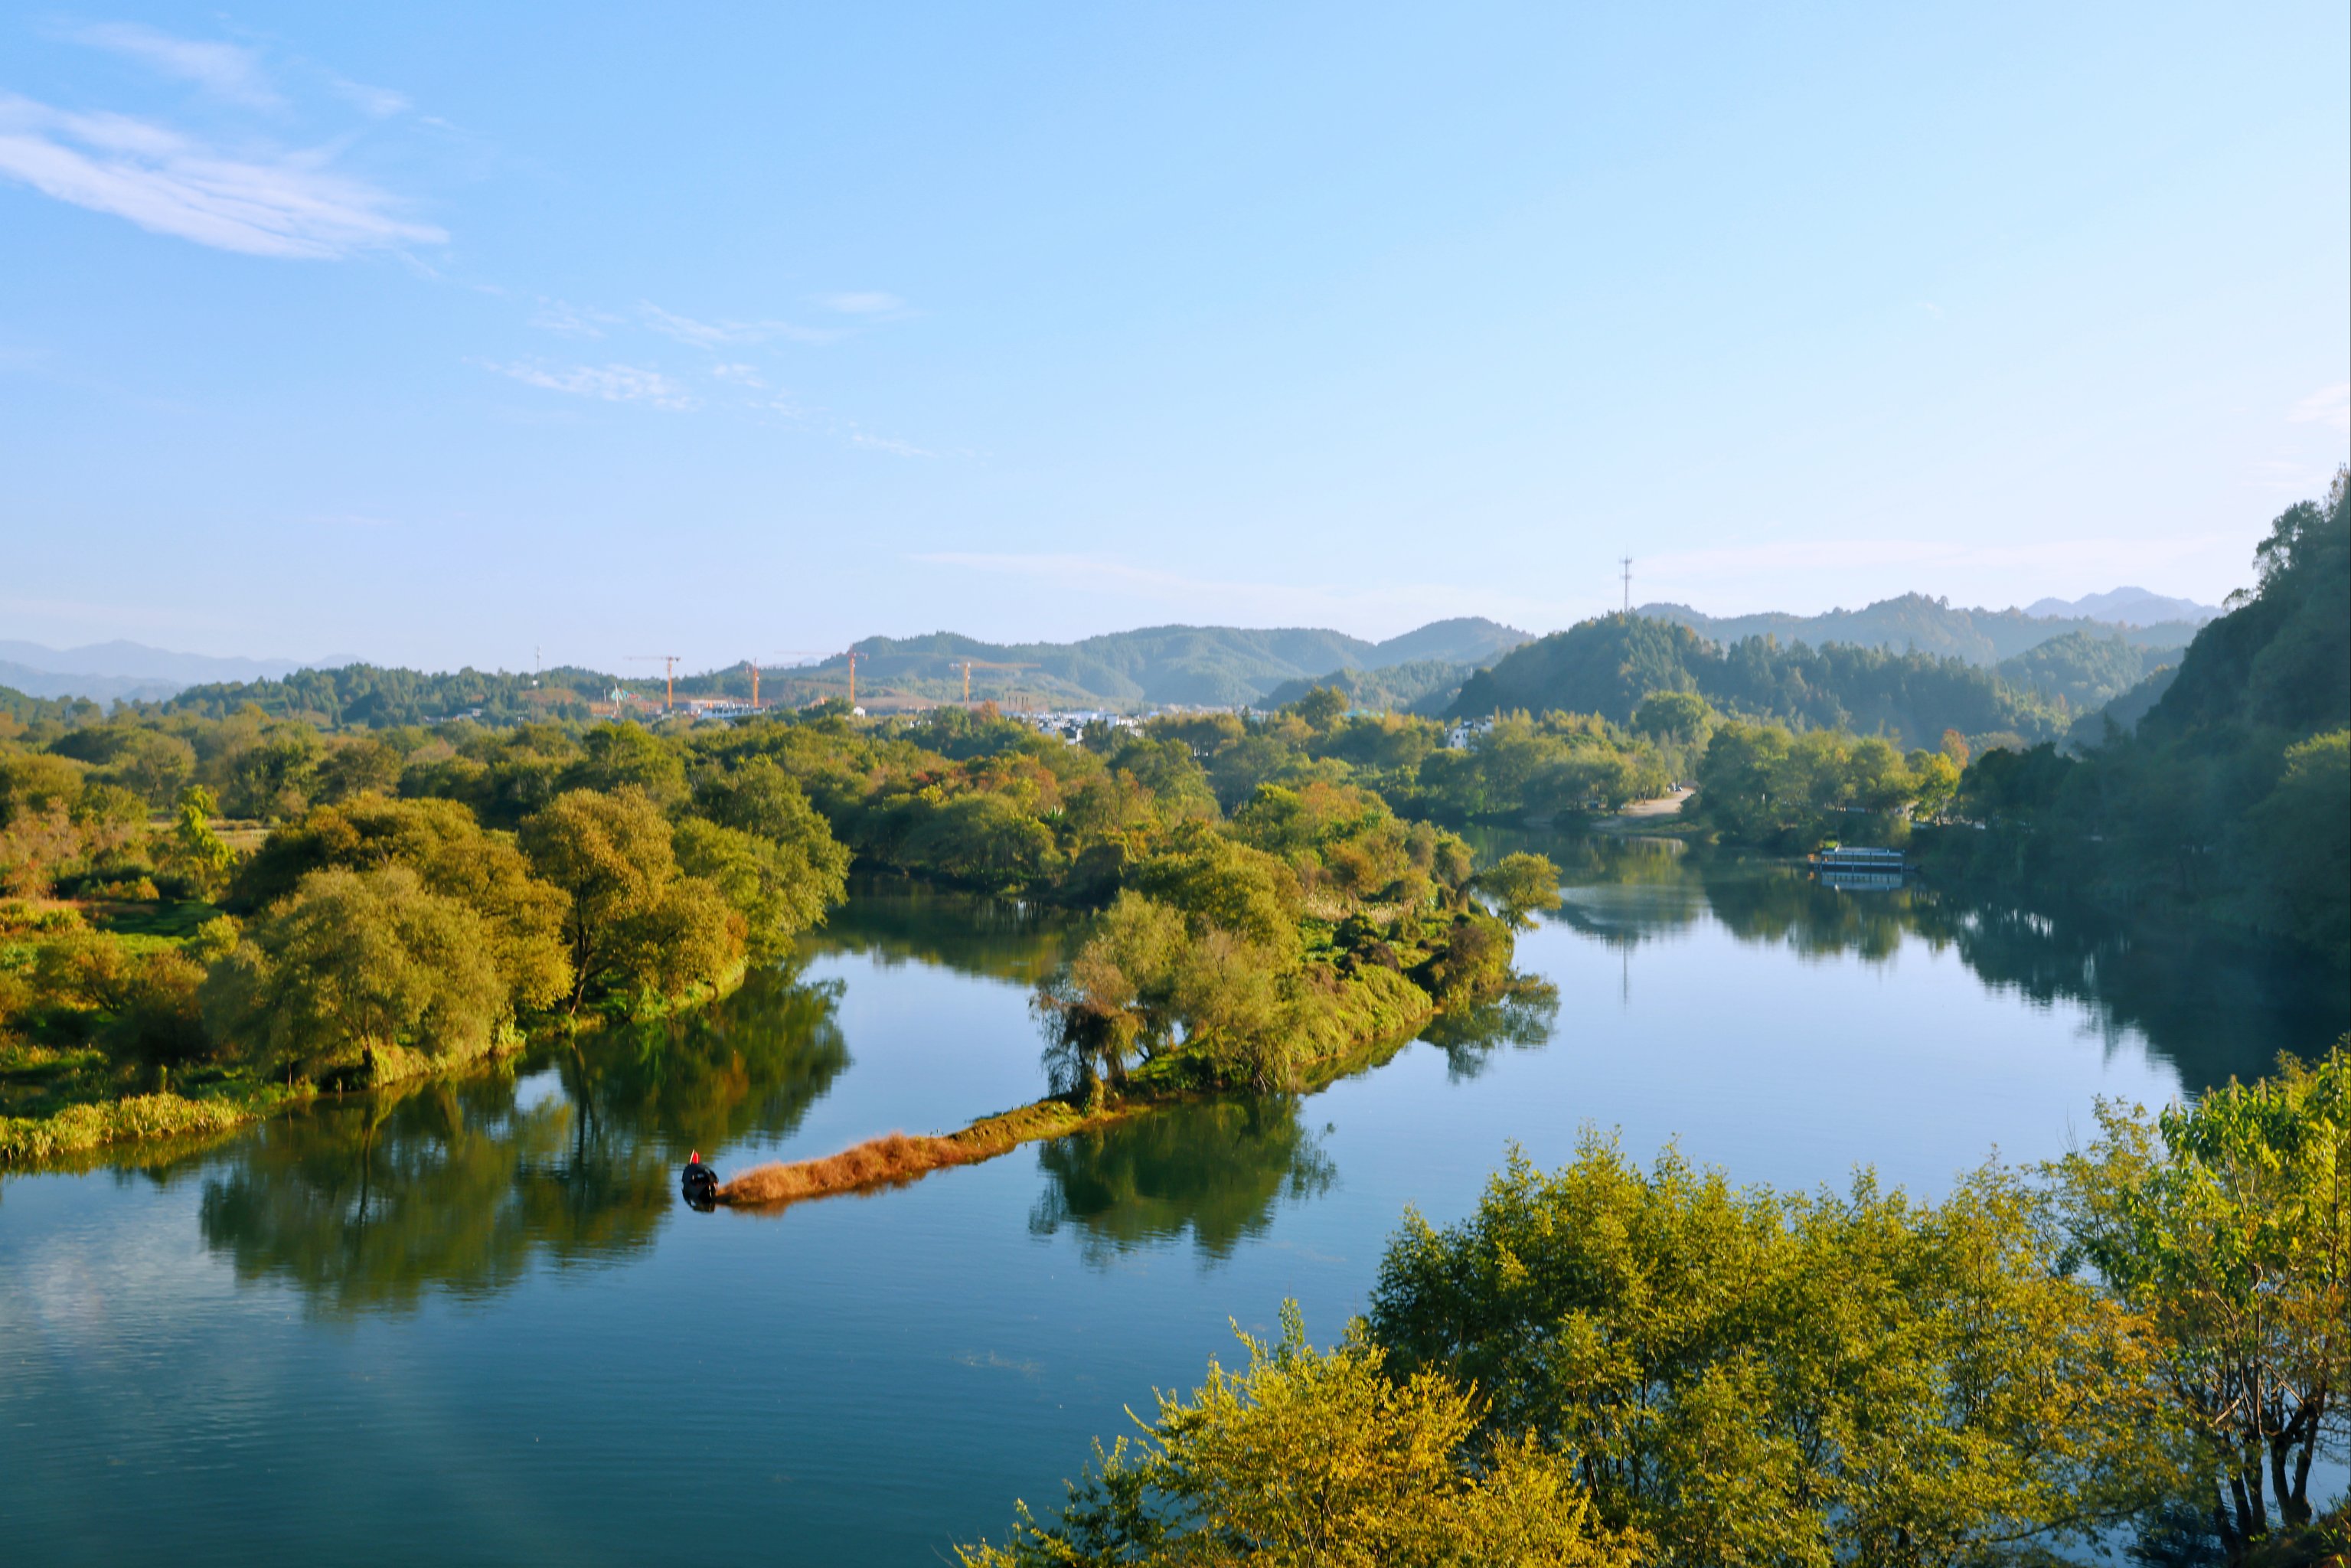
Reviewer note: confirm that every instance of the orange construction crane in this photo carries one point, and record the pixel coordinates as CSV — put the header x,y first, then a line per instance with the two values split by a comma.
x,y
782,654
668,662
968,665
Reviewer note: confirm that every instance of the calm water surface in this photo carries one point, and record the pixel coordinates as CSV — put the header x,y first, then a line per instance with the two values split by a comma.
x,y
471,1324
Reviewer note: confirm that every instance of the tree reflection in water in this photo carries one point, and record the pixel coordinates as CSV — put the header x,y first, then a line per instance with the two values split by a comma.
x,y
2211,1006
1214,1168
895,922
1470,1036
370,1204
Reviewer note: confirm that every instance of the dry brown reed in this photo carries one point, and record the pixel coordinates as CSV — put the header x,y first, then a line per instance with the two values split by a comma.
x,y
896,1158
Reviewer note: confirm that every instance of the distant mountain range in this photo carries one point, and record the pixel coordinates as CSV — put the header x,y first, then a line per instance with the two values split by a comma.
x,y
1205,666
1915,623
106,672
2128,607
1225,666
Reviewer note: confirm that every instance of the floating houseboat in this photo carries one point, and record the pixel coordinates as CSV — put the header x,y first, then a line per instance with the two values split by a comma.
x,y
1859,869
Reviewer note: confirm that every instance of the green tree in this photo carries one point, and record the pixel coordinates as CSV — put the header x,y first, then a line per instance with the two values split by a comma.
x,y
351,962
775,889
1320,708
198,855
454,856
1677,716
629,756
2301,844
1521,883
1754,1378
2228,1223
357,766
1319,1459
273,778
634,925
153,766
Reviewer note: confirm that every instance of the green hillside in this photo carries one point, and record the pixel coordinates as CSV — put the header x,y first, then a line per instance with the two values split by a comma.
x,y
1205,666
369,696
2232,795
2083,670
1607,665
1422,685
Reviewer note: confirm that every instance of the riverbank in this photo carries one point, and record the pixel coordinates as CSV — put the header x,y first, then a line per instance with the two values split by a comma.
x,y
135,1118
83,1109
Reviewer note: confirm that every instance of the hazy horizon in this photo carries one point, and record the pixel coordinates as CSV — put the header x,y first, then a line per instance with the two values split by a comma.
x,y
632,666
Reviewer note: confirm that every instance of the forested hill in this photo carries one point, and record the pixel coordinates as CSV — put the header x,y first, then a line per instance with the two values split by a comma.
x,y
1209,667
1606,667
1915,623
2232,794
370,697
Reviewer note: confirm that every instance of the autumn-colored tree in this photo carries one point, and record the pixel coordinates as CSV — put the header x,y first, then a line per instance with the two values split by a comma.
x,y
1319,1459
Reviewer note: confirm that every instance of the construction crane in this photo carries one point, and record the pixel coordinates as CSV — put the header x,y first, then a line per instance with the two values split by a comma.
x,y
969,664
782,654
668,662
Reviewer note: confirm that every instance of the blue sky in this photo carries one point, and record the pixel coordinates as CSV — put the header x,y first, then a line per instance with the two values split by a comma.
x,y
439,333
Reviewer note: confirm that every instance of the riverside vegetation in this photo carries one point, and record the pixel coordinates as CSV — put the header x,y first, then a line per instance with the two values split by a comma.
x,y
251,903
212,913
2147,1342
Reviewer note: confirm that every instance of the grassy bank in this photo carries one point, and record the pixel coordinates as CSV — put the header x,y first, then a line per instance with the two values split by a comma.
x,y
76,1129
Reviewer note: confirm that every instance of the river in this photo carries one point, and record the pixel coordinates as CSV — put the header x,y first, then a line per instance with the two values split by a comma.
x,y
471,1322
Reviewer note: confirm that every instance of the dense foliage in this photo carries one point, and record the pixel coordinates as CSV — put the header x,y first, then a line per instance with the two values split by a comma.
x,y
394,897
1606,667
2082,672
1608,1363
1320,1458
2228,1224
2232,797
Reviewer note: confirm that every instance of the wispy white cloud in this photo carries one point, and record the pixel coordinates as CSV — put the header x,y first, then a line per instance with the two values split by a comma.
x,y
2329,406
570,321
612,383
225,70
863,304
741,375
717,334
291,205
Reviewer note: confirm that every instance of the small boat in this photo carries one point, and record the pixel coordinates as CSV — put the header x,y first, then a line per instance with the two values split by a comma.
x,y
1858,868
699,1184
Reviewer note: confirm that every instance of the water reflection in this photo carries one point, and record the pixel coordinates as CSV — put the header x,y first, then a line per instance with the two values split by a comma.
x,y
1470,1037
2211,1006
1215,1169
370,1204
895,922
